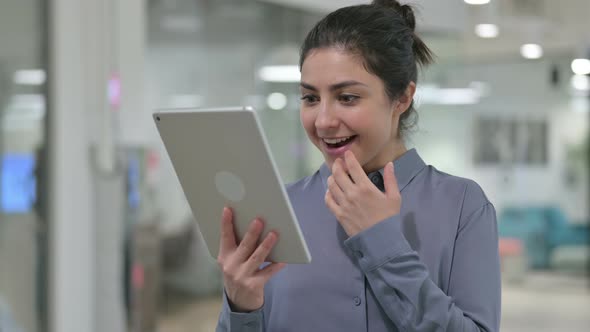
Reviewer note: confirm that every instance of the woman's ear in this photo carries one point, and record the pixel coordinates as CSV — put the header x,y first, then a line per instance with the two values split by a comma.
x,y
405,100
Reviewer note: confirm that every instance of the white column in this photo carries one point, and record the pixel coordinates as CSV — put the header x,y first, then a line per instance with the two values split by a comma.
x,y
70,203
90,40
124,40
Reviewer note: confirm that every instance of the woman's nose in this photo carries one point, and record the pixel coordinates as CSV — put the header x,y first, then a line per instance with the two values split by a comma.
x,y
326,118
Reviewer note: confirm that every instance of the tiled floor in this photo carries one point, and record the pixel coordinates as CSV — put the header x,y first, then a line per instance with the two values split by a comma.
x,y
547,303
542,303
17,269
200,316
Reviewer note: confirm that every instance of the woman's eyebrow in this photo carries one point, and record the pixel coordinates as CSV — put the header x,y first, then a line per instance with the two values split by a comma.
x,y
333,87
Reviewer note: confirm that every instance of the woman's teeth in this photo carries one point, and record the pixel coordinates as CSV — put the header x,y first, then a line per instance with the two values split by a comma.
x,y
336,140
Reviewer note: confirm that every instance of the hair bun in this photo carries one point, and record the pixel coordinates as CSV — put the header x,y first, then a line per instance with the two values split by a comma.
x,y
405,11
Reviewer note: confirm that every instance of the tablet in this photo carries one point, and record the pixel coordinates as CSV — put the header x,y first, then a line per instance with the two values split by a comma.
x,y
221,157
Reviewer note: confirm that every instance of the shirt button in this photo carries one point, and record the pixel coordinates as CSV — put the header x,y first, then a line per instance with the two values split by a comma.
x,y
357,301
375,179
252,324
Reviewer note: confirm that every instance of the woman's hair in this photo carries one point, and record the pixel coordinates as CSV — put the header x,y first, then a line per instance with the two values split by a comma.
x,y
383,35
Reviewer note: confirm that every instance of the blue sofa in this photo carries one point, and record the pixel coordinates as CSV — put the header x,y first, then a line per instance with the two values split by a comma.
x,y
541,230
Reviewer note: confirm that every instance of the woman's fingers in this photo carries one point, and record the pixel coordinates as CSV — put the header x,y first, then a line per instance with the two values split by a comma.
x,y
270,270
341,177
357,174
227,243
259,256
332,204
390,181
243,279
335,190
248,243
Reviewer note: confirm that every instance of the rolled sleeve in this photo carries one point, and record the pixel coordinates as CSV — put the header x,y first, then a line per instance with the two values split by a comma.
x,y
379,244
230,321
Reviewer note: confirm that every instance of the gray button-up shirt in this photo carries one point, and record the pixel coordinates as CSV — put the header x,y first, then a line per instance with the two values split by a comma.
x,y
433,267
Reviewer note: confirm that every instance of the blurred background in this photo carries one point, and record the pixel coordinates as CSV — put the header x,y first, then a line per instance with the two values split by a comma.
x,y
95,232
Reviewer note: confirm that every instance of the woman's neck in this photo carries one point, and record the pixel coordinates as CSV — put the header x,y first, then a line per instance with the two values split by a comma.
x,y
392,152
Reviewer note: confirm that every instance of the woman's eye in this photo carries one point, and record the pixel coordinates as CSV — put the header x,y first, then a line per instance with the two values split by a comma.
x,y
348,99
309,99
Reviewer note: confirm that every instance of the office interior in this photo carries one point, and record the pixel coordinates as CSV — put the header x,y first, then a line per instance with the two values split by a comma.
x,y
95,232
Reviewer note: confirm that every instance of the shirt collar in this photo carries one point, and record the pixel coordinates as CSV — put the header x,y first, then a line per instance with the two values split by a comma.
x,y
407,166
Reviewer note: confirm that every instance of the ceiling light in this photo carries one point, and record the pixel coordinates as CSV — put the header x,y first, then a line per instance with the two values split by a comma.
x,y
581,66
531,51
29,77
276,101
289,73
580,83
477,2
486,30
458,96
432,94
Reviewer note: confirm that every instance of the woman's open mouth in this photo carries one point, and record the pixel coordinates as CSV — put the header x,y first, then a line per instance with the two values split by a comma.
x,y
337,146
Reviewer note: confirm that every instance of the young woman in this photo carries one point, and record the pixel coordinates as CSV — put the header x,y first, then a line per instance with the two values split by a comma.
x,y
396,244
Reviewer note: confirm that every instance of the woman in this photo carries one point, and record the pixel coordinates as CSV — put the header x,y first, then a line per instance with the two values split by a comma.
x,y
397,245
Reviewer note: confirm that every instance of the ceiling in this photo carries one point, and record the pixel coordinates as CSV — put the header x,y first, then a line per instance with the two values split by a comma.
x,y
561,27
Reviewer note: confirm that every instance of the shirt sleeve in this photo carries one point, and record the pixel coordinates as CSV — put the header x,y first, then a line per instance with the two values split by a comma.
x,y
230,321
411,299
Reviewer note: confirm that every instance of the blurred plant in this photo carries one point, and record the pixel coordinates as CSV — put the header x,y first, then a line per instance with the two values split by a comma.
x,y
577,162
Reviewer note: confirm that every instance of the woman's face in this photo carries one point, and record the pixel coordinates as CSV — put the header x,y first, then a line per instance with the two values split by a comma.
x,y
344,107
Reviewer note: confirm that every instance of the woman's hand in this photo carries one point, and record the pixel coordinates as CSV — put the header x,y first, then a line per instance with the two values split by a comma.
x,y
355,201
242,277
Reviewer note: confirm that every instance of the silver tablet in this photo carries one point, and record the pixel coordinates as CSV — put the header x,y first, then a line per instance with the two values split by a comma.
x,y
221,157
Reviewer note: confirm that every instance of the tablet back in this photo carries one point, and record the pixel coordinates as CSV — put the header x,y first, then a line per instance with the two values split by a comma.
x,y
221,157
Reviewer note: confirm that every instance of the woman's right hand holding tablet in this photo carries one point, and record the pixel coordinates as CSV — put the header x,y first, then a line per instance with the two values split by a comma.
x,y
243,279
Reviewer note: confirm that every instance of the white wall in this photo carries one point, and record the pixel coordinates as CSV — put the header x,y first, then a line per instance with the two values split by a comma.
x,y
518,90
20,19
